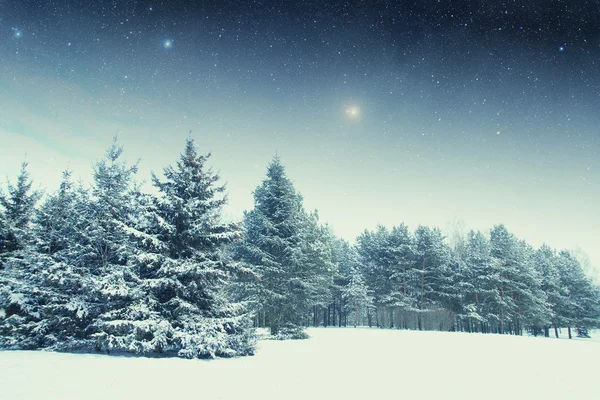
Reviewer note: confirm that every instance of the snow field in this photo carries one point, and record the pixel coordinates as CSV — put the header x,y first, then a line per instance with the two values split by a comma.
x,y
336,363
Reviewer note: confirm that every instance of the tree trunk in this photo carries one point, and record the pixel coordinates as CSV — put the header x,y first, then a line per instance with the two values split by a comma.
x,y
502,312
333,311
404,278
555,331
570,336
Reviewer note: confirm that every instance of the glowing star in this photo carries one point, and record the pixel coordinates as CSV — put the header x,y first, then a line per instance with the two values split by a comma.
x,y
17,33
561,48
352,112
167,43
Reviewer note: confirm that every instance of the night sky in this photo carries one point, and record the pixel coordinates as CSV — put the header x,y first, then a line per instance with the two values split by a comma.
x,y
383,112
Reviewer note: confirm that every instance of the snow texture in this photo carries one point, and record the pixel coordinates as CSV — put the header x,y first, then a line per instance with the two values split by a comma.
x,y
344,363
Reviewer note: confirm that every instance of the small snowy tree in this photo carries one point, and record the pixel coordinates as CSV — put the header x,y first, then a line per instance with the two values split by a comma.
x,y
18,206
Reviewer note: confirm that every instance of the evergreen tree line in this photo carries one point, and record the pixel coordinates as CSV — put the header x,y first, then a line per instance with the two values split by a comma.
x,y
395,278
487,284
110,268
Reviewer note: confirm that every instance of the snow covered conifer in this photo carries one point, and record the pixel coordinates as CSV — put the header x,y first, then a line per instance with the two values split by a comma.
x,y
18,204
184,270
271,249
45,290
355,291
315,270
108,249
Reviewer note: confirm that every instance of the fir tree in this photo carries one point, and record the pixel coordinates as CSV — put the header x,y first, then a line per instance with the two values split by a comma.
x,y
17,207
355,291
46,290
271,249
184,270
431,271
312,283
581,307
478,282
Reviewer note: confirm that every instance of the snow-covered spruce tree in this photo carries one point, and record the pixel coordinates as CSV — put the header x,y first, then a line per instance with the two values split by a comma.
x,y
271,248
478,283
7,238
183,270
315,270
386,259
520,301
107,251
345,261
546,263
16,208
582,303
49,283
16,303
533,310
355,295
431,272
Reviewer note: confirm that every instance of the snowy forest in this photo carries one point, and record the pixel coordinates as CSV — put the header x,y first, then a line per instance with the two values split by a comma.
x,y
109,268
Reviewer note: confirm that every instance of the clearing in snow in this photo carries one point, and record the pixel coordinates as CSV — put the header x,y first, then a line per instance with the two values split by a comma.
x,y
336,363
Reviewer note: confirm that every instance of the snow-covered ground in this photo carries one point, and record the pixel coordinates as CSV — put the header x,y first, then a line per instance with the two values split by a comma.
x,y
335,363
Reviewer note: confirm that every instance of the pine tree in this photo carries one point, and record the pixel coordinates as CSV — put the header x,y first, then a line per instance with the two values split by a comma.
x,y
271,249
431,270
345,261
46,289
18,207
381,272
387,267
479,282
108,250
312,283
520,302
7,237
546,262
356,295
183,270
581,307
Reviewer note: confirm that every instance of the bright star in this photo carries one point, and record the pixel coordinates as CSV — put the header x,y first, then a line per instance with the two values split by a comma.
x,y
352,112
561,48
17,33
167,43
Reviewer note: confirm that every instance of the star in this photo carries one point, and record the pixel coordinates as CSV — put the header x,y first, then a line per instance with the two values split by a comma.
x,y
561,48
352,112
167,43
17,33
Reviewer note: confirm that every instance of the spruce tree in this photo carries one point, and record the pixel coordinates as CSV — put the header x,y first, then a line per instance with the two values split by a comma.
x,y
272,249
16,209
387,259
581,307
431,270
46,289
479,282
183,270
313,283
